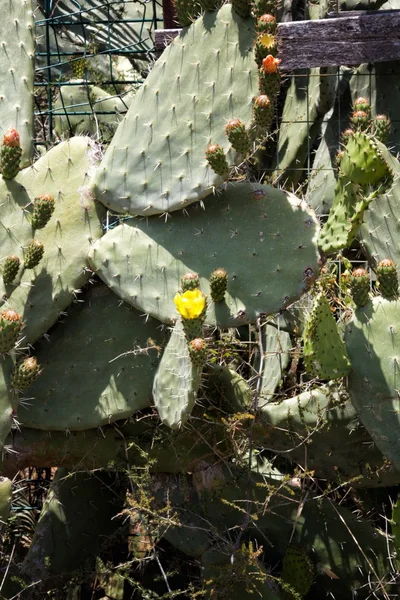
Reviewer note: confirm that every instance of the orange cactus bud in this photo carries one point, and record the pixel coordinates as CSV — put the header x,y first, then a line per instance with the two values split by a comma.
x,y
11,138
270,64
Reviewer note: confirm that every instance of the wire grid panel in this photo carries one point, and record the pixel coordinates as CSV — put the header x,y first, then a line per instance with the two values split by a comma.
x,y
87,46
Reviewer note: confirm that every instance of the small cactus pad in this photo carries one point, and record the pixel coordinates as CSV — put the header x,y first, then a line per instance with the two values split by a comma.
x,y
325,354
89,348
11,267
372,341
33,254
10,154
43,208
177,381
25,373
272,231
297,569
345,217
190,281
218,285
216,158
387,278
156,162
10,328
362,162
359,286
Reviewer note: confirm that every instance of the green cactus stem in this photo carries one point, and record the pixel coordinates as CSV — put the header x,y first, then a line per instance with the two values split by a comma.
x,y
218,285
381,127
262,111
25,373
33,254
362,104
10,268
238,136
360,120
10,328
216,158
359,286
266,45
10,154
387,278
198,351
42,211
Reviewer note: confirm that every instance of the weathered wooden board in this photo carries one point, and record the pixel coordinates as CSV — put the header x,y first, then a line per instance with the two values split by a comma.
x,y
373,36
347,38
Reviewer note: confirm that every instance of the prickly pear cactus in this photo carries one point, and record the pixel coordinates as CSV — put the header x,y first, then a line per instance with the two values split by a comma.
x,y
156,162
17,34
273,232
297,570
104,347
372,343
325,354
40,293
5,500
177,381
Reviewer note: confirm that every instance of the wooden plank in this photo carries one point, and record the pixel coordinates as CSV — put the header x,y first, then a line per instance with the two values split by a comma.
x,y
373,36
362,37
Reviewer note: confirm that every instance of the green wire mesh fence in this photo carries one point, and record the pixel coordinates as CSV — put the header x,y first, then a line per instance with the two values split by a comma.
x,y
90,58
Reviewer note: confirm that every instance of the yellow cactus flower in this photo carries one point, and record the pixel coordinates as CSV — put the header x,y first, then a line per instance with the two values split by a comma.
x,y
267,40
191,304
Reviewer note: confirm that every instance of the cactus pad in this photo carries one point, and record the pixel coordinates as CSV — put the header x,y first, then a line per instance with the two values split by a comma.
x,y
362,163
84,348
325,354
75,225
177,380
297,569
373,346
17,72
156,161
273,232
